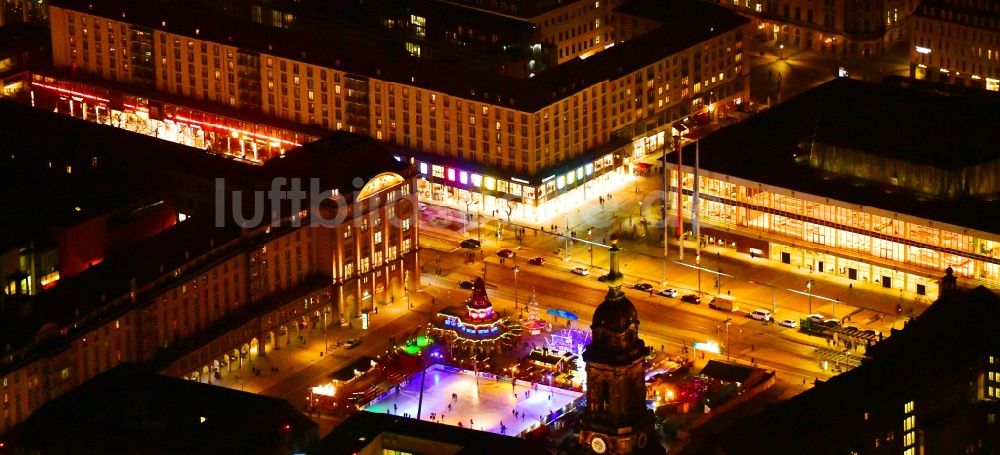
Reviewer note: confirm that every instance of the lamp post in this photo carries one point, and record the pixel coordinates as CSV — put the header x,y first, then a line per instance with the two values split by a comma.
x,y
781,52
697,261
516,270
809,289
729,347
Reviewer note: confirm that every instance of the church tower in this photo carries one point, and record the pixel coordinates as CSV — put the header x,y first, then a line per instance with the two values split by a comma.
x,y
616,420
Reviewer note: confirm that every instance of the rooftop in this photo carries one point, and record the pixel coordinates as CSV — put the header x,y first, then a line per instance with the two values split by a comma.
x,y
825,140
126,410
951,336
687,22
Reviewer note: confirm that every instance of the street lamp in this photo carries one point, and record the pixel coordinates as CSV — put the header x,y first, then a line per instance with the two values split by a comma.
x,y
781,52
809,289
697,261
516,270
729,345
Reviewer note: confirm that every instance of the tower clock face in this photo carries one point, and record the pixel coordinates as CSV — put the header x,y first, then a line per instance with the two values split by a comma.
x,y
598,445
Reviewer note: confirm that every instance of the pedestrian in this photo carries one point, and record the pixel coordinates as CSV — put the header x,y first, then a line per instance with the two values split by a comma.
x,y
753,348
449,407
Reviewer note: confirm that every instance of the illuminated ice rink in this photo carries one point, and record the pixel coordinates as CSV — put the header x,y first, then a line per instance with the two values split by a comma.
x,y
484,410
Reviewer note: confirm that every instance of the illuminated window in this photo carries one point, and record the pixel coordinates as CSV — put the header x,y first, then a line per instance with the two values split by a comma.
x,y
490,183
463,177
569,178
908,407
908,423
406,224
423,168
451,174
560,182
589,168
579,173
477,180
378,237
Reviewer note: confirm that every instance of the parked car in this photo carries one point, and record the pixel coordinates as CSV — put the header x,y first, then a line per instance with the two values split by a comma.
x,y
644,287
352,343
816,318
760,315
691,298
538,260
723,302
580,271
466,284
471,244
669,292
790,323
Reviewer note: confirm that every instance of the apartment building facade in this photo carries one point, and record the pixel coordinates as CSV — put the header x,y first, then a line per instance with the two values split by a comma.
x,y
518,129
957,42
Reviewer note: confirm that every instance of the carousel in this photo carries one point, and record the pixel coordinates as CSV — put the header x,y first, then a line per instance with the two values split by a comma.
x,y
474,331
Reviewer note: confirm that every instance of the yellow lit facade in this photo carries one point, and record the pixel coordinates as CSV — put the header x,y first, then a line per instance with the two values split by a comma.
x,y
963,49
867,244
480,129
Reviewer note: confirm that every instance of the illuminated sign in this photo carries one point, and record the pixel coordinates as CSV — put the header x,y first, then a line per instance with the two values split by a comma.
x,y
546,179
451,174
463,177
490,183
923,50
364,321
519,180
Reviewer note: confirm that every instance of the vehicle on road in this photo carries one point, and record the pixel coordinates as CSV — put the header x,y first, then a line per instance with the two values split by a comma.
x,y
790,323
760,315
644,287
466,284
537,260
580,271
471,244
723,302
505,253
669,292
691,298
816,318
352,343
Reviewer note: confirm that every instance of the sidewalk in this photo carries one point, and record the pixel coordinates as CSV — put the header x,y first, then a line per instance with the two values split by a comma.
x,y
290,358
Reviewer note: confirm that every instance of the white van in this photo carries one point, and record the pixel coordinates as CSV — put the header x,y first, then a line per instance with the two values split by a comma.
x,y
761,315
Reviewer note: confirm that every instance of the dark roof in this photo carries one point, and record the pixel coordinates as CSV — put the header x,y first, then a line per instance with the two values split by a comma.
x,y
362,428
688,23
126,410
877,119
342,160
728,372
955,333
